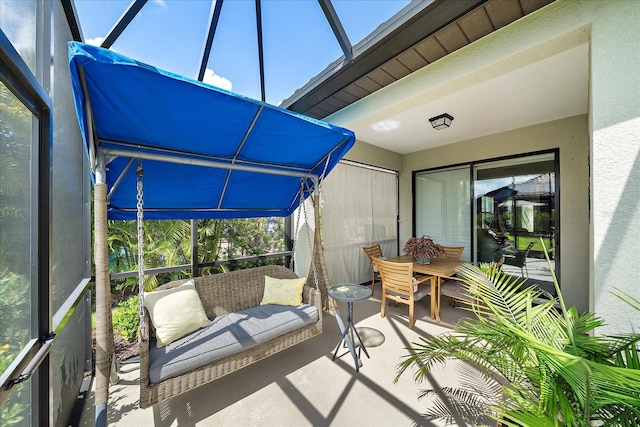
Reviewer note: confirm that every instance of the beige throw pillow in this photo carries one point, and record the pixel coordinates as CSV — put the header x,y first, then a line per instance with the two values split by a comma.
x,y
283,291
175,312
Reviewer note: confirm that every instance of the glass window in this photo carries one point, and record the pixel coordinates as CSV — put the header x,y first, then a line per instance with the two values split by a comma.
x,y
18,22
443,209
15,228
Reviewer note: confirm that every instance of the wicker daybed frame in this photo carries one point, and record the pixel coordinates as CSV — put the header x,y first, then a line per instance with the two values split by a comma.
x,y
221,293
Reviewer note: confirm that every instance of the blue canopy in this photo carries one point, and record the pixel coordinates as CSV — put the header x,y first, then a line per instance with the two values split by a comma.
x,y
205,152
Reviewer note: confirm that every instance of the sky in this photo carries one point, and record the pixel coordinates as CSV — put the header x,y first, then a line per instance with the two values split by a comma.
x,y
298,41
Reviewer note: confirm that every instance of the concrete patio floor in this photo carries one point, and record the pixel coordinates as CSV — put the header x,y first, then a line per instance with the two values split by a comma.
x,y
302,386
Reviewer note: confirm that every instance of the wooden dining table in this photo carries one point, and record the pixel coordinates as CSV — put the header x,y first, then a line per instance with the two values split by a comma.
x,y
438,268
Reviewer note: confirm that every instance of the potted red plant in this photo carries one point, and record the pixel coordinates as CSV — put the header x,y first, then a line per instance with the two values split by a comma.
x,y
423,249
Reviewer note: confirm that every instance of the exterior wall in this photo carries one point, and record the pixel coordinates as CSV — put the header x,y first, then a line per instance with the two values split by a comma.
x,y
571,137
613,129
615,133
369,154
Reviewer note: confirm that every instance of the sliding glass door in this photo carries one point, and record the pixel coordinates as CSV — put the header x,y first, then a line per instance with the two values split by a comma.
x,y
515,214
443,207
495,209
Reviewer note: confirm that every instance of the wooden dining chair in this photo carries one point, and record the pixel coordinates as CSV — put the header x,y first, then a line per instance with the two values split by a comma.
x,y
400,285
452,252
453,288
374,251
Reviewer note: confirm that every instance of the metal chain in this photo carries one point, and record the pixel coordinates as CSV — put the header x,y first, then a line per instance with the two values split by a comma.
x,y
296,231
140,223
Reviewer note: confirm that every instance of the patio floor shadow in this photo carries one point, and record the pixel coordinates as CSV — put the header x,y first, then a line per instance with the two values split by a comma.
x,y
302,386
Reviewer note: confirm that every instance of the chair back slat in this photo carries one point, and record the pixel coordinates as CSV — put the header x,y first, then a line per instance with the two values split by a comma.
x,y
452,252
398,280
397,277
374,251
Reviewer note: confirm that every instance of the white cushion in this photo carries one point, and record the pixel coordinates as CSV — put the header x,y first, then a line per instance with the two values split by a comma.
x,y
175,312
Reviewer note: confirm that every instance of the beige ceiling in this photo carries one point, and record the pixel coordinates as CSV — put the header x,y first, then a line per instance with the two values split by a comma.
x,y
553,88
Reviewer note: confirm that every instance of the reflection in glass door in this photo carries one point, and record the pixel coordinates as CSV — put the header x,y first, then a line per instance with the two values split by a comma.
x,y
515,214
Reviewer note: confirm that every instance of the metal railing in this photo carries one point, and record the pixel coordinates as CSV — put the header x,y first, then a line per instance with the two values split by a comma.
x,y
195,267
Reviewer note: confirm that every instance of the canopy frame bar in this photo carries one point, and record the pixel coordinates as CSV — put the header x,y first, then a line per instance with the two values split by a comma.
x,y
116,184
92,136
205,163
135,148
200,210
313,191
238,150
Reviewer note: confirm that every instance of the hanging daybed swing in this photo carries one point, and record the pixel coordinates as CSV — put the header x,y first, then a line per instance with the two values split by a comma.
x,y
207,153
205,355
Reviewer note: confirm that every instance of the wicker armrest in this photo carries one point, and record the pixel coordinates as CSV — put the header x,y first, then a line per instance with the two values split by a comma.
x,y
312,296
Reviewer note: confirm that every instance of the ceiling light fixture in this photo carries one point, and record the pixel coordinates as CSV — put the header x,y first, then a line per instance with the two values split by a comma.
x,y
442,121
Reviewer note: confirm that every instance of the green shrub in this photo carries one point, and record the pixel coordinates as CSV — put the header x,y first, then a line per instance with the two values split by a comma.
x,y
126,318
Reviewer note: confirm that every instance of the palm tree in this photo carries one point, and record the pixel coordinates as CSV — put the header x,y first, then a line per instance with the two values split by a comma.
x,y
210,233
541,361
164,244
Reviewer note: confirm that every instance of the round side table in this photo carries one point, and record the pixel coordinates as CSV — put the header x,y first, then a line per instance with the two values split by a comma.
x,y
350,294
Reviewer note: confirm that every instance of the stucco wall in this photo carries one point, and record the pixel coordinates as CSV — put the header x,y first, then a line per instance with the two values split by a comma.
x,y
615,127
371,155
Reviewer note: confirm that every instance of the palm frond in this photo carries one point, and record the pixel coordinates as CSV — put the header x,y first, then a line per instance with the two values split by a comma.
x,y
629,299
551,368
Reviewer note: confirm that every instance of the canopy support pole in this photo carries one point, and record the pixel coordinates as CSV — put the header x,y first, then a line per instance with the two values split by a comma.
x,y
104,328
